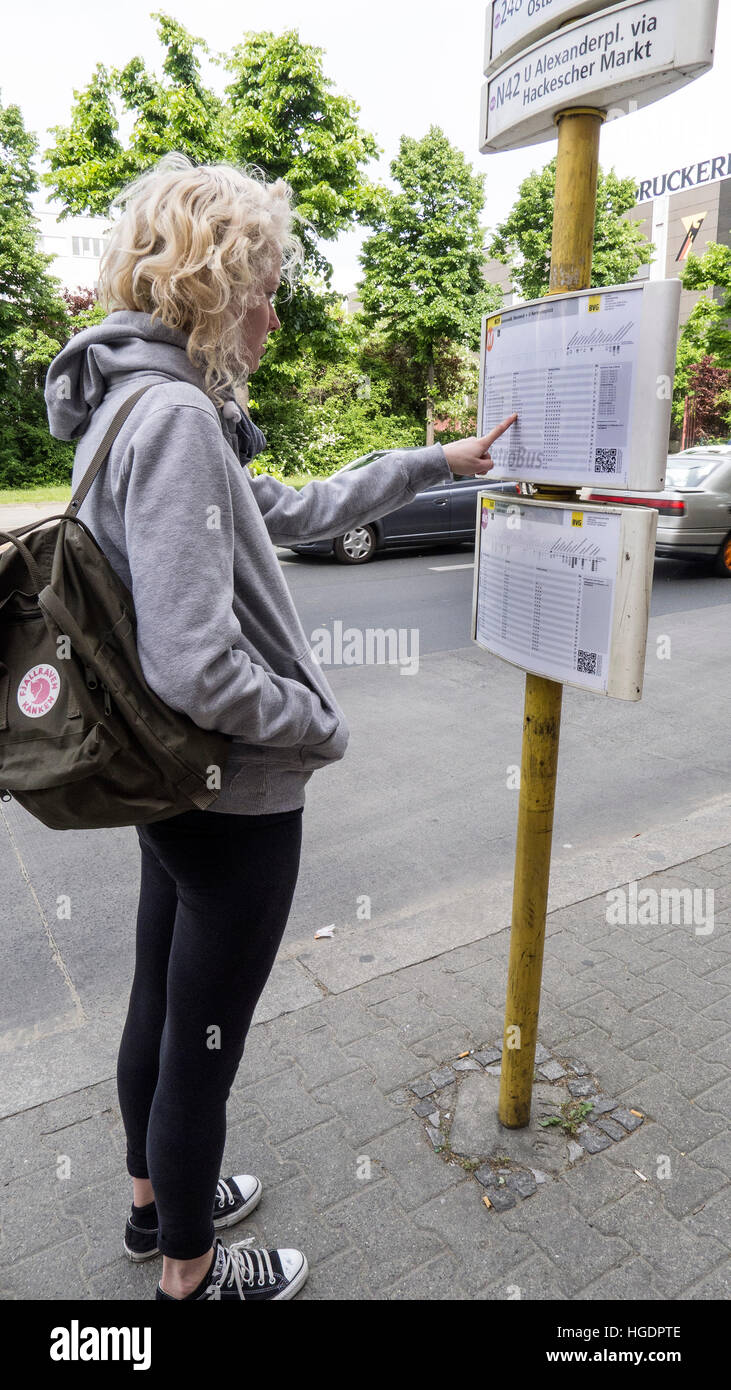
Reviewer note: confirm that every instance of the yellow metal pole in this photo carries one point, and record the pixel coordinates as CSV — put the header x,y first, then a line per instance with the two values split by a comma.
x,y
571,255
574,208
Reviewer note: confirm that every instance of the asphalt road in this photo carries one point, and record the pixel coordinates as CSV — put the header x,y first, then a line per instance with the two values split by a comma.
x,y
421,807
422,799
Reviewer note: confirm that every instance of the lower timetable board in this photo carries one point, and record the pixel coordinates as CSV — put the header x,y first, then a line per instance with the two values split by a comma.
x,y
563,590
590,376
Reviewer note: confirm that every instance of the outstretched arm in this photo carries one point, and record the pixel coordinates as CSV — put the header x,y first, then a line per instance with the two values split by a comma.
x,y
327,507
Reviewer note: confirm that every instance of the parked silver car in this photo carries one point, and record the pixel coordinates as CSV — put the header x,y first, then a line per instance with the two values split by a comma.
x,y
695,508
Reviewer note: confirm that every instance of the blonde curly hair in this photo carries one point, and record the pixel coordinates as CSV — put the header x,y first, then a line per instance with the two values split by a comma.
x,y
193,248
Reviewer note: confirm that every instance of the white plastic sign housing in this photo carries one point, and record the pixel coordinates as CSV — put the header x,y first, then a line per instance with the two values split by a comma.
x,y
564,591
514,24
590,375
635,52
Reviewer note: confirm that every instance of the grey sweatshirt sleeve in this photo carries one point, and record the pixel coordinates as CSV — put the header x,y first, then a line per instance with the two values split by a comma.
x,y
326,507
175,495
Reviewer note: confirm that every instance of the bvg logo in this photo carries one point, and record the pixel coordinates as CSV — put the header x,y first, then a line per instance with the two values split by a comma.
x,y
491,327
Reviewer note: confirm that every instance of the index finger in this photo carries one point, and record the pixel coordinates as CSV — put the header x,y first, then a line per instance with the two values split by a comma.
x,y
489,439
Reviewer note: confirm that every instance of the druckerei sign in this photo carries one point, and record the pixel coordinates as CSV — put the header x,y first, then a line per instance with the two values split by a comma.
x,y
691,176
638,50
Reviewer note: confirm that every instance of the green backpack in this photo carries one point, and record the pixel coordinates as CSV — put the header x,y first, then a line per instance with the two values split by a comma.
x,y
84,741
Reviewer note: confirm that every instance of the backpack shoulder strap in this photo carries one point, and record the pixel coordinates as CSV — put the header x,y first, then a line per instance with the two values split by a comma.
x,y
100,456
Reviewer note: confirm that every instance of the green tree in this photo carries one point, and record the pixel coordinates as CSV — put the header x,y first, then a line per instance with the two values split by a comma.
x,y
278,112
706,333
712,271
523,240
282,115
424,288
708,393
83,308
33,318
319,412
88,163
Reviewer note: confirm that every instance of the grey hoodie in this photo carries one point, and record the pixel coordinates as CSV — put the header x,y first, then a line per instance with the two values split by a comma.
x,y
191,533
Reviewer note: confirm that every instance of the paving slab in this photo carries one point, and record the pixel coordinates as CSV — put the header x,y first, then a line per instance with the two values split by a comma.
x,y
376,1142
476,1131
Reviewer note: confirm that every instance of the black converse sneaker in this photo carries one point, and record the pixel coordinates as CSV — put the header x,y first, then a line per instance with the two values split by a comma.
x,y
247,1275
235,1198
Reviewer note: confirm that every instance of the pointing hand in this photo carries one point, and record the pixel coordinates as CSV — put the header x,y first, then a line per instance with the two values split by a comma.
x,y
470,457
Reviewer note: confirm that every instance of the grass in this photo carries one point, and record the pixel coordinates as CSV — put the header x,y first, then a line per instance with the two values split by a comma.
x,y
61,492
48,492
573,1113
298,480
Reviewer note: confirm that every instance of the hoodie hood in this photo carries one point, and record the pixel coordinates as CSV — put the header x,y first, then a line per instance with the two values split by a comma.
x,y
116,352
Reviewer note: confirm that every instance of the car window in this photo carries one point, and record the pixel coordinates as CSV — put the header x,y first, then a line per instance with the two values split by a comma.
x,y
361,463
692,471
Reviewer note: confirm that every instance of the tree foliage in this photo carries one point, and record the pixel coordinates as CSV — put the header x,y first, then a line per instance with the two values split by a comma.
x,y
709,388
523,240
706,334
319,412
33,318
277,112
424,289
83,308
282,115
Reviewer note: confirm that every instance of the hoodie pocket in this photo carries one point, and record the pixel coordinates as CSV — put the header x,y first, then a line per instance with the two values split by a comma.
x,y
332,747
306,757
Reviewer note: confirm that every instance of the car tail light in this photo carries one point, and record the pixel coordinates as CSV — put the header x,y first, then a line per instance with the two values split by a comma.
x,y
666,506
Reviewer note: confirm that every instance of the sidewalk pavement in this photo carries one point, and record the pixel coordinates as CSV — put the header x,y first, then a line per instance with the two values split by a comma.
x,y
357,1166
15,514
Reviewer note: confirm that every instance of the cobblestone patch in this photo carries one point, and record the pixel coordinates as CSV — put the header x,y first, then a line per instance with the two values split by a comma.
x,y
590,1120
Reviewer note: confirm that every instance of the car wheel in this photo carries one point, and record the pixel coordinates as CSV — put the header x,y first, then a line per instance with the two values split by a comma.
x,y
723,559
356,546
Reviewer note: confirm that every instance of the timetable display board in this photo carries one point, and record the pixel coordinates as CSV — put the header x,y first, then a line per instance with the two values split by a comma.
x,y
590,376
563,591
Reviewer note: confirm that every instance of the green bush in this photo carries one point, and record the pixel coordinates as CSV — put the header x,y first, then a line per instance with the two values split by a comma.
x,y
29,455
318,416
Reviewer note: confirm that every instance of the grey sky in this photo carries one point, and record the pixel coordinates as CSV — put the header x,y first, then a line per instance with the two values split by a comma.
x,y
407,63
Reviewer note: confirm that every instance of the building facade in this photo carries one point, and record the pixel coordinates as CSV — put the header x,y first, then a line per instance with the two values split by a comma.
x,y
76,244
683,211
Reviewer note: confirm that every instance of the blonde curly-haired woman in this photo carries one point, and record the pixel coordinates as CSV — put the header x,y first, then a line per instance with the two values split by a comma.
x,y
188,279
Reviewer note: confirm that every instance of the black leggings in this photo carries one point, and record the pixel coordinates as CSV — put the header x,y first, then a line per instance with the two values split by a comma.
x,y
215,895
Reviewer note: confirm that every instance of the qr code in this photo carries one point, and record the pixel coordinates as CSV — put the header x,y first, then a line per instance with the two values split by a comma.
x,y
606,460
587,662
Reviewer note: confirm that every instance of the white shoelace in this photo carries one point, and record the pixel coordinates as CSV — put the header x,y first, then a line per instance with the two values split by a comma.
x,y
224,1195
238,1269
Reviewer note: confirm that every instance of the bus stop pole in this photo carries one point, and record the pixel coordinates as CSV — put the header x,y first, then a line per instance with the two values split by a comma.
x,y
574,215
